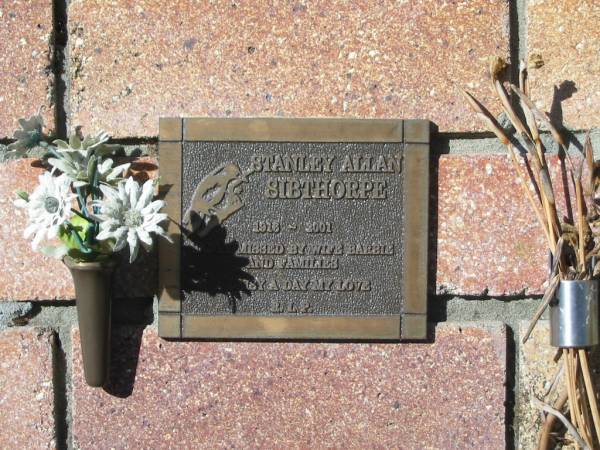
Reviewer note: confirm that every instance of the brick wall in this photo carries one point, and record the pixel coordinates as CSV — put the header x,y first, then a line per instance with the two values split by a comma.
x,y
120,65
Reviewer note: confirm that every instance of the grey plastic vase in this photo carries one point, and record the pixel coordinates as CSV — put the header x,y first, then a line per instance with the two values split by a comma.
x,y
93,299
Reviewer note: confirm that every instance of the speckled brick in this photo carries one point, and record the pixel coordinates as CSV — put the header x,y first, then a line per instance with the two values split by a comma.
x,y
537,370
26,392
567,35
25,62
442,395
29,275
488,239
263,58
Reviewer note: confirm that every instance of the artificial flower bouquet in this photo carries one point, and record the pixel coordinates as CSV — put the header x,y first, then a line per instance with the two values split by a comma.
x,y
87,209
86,201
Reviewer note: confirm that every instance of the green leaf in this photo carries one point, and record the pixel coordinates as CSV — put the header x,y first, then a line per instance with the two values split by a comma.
x,y
22,194
74,141
54,251
88,257
85,229
87,142
91,168
80,225
60,165
61,144
79,183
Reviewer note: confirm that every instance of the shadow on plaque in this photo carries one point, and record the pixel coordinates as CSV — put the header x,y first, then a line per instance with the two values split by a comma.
x,y
211,265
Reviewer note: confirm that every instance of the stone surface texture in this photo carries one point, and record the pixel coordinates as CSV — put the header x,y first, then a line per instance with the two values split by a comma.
x,y
567,35
488,240
26,392
449,394
29,275
537,369
262,58
25,62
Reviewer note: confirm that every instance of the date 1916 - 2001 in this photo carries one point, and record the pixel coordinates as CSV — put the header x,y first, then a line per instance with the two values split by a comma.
x,y
274,226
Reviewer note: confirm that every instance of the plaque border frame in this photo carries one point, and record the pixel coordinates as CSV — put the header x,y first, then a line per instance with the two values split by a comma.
x,y
410,324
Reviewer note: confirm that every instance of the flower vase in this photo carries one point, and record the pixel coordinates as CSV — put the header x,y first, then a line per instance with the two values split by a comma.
x,y
93,299
574,314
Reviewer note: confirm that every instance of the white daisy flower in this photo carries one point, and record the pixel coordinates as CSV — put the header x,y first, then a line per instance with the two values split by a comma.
x,y
80,159
48,207
128,215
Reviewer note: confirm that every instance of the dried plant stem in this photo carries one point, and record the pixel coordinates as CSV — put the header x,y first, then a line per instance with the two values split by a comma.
x,y
570,427
538,161
508,108
578,404
540,151
570,382
586,431
548,199
540,116
589,388
540,172
486,117
548,296
551,229
581,224
523,82
589,158
576,235
559,376
544,441
534,204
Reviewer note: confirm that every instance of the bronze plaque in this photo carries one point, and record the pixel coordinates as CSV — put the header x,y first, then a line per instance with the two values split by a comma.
x,y
294,228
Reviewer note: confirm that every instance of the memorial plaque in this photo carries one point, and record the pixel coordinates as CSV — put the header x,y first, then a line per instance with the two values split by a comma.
x,y
294,228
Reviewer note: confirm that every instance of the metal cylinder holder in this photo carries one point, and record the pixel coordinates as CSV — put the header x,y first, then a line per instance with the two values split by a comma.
x,y
574,314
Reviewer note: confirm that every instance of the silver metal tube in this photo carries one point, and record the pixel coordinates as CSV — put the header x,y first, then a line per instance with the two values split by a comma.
x,y
574,314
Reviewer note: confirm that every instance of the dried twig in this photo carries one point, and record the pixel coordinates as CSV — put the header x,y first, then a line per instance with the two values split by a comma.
x,y
568,425
497,65
559,375
548,296
581,223
589,158
542,117
523,81
544,441
486,117
582,242
589,388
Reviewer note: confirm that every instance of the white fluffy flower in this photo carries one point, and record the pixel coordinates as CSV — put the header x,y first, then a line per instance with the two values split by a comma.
x,y
48,207
80,159
128,215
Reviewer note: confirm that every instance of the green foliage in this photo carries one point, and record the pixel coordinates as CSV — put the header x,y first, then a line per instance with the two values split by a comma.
x,y
22,194
78,235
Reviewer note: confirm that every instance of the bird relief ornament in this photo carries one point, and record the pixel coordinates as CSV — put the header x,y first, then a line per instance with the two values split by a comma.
x,y
216,198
